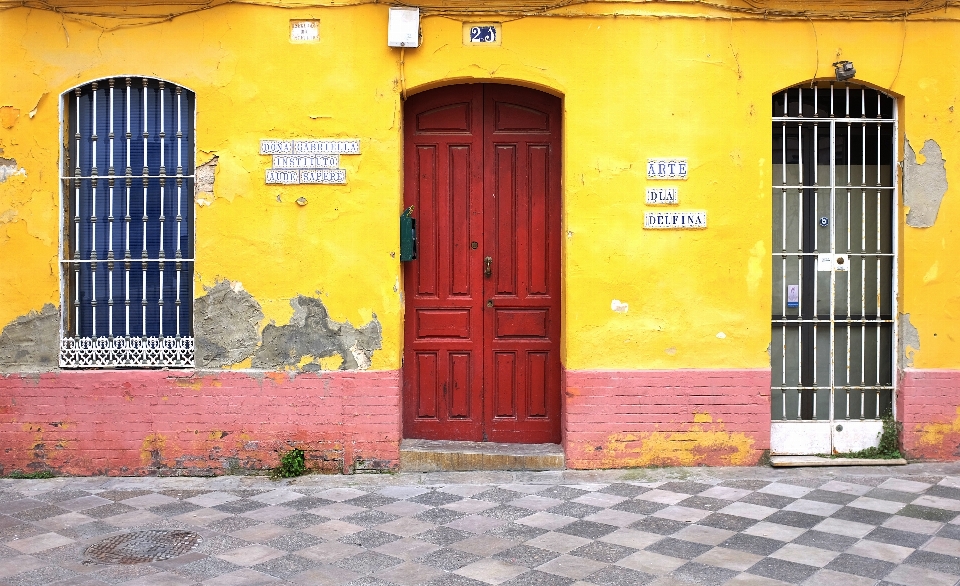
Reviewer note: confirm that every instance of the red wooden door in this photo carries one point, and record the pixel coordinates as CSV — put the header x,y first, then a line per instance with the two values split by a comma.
x,y
482,324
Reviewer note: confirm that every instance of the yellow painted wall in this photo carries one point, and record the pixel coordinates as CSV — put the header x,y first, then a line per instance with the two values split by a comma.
x,y
633,87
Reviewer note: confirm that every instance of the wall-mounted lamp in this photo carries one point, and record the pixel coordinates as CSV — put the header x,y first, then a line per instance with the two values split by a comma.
x,y
845,70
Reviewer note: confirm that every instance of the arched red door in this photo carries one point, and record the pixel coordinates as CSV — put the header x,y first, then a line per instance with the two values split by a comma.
x,y
481,357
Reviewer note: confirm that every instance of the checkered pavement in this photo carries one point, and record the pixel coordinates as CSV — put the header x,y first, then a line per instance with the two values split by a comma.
x,y
798,528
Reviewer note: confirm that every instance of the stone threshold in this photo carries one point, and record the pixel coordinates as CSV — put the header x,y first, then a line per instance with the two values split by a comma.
x,y
418,455
798,461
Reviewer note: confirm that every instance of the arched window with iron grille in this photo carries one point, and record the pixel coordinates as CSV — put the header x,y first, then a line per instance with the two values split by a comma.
x,y
127,176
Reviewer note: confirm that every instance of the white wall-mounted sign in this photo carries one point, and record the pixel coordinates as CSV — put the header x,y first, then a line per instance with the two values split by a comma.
x,y
666,168
675,220
310,146
663,196
304,31
481,34
308,160
827,262
403,27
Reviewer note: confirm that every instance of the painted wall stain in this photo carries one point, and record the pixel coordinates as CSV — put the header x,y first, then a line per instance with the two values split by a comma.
x,y
703,443
909,341
939,440
924,185
29,343
226,325
311,332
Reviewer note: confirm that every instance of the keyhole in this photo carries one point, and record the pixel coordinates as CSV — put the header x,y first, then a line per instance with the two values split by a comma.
x,y
473,245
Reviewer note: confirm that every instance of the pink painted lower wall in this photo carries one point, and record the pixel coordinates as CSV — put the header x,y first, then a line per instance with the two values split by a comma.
x,y
928,405
666,417
167,422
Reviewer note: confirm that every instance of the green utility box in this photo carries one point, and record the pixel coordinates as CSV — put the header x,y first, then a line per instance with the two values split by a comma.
x,y
408,236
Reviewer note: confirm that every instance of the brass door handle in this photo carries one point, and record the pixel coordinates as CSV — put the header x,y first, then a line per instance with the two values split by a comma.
x,y
487,266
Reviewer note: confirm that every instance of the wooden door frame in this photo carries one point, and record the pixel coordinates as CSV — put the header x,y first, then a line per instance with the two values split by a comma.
x,y
560,199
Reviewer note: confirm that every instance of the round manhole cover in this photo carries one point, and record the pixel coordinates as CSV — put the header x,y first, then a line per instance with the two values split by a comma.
x,y
139,547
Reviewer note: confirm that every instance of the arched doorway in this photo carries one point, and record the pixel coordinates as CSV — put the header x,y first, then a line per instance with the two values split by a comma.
x,y
481,355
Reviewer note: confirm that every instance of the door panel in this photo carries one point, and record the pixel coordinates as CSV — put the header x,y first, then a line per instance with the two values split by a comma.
x,y
481,355
443,349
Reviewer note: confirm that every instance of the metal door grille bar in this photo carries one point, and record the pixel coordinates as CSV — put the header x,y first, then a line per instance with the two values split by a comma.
x,y
153,333
830,326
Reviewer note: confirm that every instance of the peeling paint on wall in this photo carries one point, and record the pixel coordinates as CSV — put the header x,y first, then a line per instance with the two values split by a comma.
x,y
909,340
29,343
226,322
9,168
923,185
311,333
704,443
203,186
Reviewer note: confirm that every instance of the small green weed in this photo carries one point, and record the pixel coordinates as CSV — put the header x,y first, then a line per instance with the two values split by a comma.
x,y
887,449
21,475
292,463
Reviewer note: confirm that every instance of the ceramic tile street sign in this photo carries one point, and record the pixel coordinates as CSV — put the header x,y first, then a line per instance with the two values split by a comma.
x,y
691,220
666,168
661,195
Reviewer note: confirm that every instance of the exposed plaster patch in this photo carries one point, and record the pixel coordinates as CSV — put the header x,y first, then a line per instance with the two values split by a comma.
x,y
311,332
29,343
205,176
923,185
619,306
909,340
8,168
226,322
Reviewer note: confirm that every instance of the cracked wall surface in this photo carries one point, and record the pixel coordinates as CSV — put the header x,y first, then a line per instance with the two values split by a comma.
x,y
30,342
313,335
909,341
225,323
924,185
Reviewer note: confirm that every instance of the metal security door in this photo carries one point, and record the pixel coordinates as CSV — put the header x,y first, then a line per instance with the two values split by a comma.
x,y
482,321
834,260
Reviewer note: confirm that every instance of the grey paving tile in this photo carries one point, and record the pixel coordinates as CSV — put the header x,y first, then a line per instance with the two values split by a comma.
x,y
891,495
506,512
231,524
88,530
826,496
216,543
286,566
570,566
949,492
299,520
491,571
703,534
730,559
558,542
206,568
111,510
880,551
834,578
624,490
242,577
236,507
685,487
658,525
448,559
435,498
369,581
782,570
639,507
775,531
587,529
949,531
913,525
454,580
517,532
371,501
308,502
858,515
369,538
861,566
601,551
705,503
650,562
497,495
576,510
794,519
728,522
407,548
40,576
525,555
18,506
44,511
678,548
763,499
703,574
829,541
916,576
618,576
410,574
367,562
752,544
897,537
441,516
60,496
369,518
294,541
938,562
927,513
537,578
443,536
746,483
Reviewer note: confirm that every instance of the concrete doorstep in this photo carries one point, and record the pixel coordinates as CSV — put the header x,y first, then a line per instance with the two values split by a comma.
x,y
450,456
798,461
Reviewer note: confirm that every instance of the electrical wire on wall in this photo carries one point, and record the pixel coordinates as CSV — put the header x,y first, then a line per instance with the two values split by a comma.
x,y
147,12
